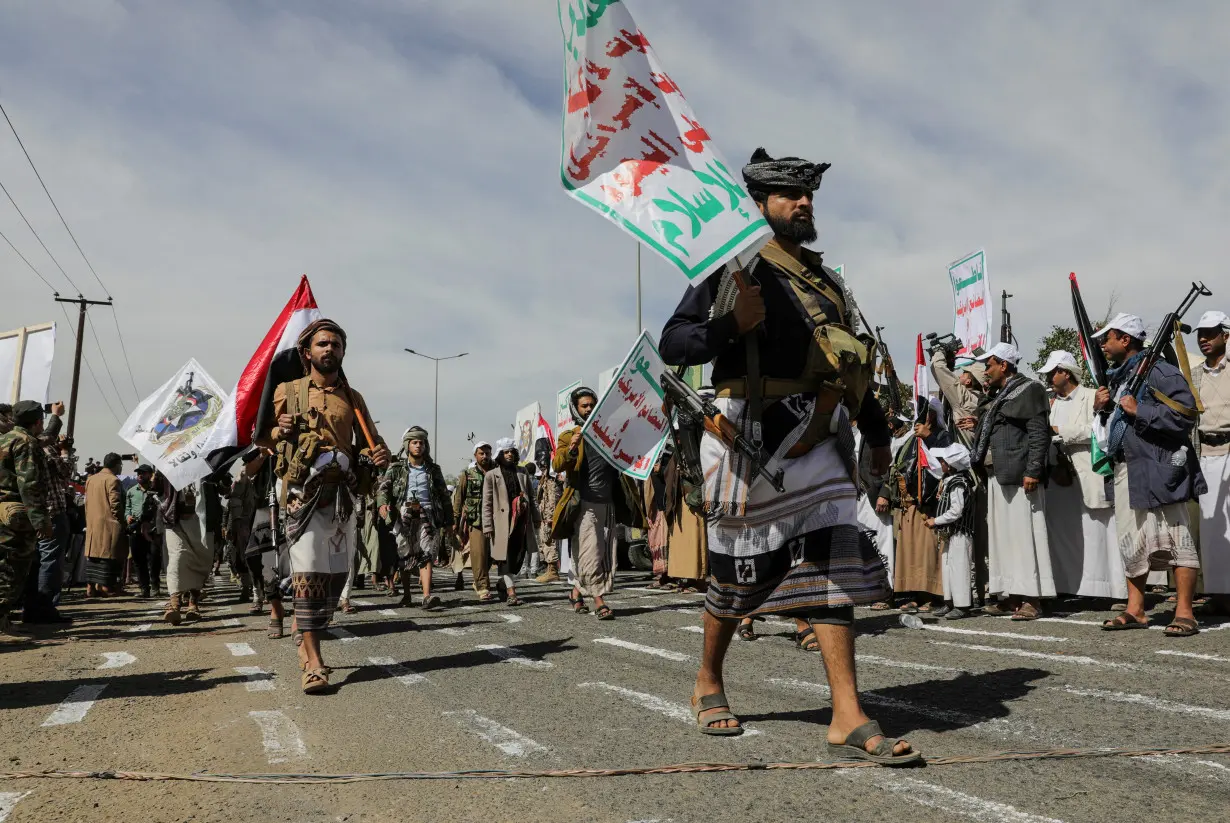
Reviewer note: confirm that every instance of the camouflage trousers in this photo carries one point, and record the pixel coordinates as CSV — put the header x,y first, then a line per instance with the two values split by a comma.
x,y
18,552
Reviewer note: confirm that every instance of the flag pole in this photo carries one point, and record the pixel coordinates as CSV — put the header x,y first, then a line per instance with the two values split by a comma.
x,y
638,288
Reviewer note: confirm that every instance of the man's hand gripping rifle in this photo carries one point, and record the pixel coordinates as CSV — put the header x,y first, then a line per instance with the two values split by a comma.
x,y
693,408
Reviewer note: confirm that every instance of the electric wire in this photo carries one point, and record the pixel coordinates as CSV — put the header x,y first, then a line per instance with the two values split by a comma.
x,y
30,265
115,316
119,398
90,369
39,238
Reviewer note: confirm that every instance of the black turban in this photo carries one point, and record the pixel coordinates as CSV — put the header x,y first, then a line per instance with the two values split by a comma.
x,y
764,175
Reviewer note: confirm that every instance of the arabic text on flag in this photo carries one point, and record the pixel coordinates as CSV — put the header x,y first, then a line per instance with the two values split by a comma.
x,y
971,292
628,426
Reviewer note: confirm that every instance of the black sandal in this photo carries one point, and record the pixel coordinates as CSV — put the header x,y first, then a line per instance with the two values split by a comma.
x,y
803,644
746,632
276,631
855,747
1182,627
604,613
578,604
1124,622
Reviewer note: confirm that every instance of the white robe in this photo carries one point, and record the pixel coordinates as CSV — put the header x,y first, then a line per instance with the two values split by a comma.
x,y
1080,519
1019,556
1215,524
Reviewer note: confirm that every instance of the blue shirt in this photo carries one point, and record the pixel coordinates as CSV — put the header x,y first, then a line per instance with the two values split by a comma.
x,y
418,485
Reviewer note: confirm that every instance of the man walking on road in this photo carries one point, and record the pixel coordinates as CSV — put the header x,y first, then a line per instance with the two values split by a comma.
x,y
106,541
24,516
468,503
1213,384
1156,474
795,553
140,509
319,435
414,501
189,557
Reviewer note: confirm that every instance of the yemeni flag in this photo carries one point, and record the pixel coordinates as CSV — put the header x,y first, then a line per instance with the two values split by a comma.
x,y
544,442
276,361
922,384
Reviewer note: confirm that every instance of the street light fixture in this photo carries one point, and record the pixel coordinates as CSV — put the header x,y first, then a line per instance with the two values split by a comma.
x,y
435,431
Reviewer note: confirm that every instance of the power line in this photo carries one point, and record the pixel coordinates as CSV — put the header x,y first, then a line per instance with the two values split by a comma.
x,y
38,238
115,316
106,365
28,263
90,369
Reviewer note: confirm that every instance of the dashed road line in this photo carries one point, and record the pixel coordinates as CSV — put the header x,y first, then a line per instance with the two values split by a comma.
x,y
693,629
513,655
1078,659
678,657
453,631
653,703
343,635
503,738
876,660
73,708
232,623
403,674
1194,656
143,627
387,613
279,736
944,799
1159,703
259,680
117,660
512,618
1043,638
241,649
8,800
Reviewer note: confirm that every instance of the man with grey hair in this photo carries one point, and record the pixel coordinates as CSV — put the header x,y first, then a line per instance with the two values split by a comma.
x,y
1213,386
1080,519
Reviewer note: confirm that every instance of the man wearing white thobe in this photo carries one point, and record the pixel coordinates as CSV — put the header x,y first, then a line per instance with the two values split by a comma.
x,y
1213,385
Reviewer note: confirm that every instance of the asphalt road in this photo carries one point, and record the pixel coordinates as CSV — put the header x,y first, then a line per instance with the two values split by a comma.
x,y
540,688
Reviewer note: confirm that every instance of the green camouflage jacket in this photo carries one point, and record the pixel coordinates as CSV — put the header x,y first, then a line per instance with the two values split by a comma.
x,y
468,499
391,492
23,476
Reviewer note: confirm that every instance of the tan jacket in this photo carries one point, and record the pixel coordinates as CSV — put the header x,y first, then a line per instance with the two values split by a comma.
x,y
497,512
105,536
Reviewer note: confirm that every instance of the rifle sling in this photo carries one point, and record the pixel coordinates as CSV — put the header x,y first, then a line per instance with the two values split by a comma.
x,y
755,389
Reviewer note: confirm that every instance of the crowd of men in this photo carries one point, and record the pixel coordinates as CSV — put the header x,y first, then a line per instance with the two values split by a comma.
x,y
998,495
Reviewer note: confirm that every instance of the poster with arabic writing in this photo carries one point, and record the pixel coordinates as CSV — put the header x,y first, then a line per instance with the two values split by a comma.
x,y
628,426
971,292
634,151
563,415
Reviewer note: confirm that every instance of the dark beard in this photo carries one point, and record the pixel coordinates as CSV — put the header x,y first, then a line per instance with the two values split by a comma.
x,y
332,368
798,231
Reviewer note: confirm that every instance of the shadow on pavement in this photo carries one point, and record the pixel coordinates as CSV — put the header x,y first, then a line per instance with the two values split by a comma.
x,y
463,660
28,694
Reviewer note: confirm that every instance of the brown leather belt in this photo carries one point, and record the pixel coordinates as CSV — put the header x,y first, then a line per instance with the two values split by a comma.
x,y
772,388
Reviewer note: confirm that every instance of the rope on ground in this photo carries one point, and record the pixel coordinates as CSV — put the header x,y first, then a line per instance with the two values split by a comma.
x,y
679,768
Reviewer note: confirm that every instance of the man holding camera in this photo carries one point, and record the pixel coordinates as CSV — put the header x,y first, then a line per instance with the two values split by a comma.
x,y
962,390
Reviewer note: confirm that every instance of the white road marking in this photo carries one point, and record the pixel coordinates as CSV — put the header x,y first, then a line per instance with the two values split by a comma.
x,y
259,680
949,801
1161,704
503,738
1195,656
675,711
241,649
343,635
387,613
876,660
74,707
512,618
678,657
1080,660
400,672
232,623
693,629
143,627
452,631
1044,638
1188,766
279,736
512,655
117,660
7,801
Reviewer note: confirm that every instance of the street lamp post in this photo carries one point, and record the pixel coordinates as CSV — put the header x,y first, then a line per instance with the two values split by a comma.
x,y
435,432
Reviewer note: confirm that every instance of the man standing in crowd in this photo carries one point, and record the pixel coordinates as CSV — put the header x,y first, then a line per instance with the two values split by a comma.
x,y
106,538
1214,388
237,531
550,487
510,518
1156,473
1011,441
47,575
468,508
24,515
1080,519
320,422
961,391
189,557
918,566
778,552
414,501
215,490
140,510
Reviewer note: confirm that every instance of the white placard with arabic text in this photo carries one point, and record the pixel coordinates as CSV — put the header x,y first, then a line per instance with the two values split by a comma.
x,y
628,426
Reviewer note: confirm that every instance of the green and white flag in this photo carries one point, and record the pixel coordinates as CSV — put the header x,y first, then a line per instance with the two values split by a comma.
x,y
628,426
634,151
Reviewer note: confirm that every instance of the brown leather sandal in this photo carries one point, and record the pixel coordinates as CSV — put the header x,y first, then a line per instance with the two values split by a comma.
x,y
315,681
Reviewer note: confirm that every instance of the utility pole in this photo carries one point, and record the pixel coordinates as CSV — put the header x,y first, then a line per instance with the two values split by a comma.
x,y
639,327
82,305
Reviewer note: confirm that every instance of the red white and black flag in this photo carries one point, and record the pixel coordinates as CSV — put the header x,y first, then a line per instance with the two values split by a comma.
x,y
250,406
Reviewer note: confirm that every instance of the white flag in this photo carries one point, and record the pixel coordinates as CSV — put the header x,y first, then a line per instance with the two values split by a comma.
x,y
634,151
171,426
628,426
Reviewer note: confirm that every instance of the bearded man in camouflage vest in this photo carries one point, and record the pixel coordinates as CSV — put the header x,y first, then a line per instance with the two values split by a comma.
x,y
24,515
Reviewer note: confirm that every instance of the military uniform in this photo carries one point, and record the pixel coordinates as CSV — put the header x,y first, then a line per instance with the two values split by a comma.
x,y
468,504
23,509
240,512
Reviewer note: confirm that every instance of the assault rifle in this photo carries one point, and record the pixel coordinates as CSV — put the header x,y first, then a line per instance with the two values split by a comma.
x,y
693,409
1162,341
889,370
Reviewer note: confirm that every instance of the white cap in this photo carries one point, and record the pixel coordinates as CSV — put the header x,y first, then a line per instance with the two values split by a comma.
x,y
1129,324
956,456
1213,320
1002,351
1060,360
480,445
504,444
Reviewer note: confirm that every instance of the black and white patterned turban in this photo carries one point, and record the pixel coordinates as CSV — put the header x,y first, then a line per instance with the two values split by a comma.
x,y
764,175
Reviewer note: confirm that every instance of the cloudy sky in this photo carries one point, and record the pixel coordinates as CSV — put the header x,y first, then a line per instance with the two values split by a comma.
x,y
404,154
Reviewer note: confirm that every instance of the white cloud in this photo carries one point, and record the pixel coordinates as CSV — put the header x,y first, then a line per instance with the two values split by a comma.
x,y
404,155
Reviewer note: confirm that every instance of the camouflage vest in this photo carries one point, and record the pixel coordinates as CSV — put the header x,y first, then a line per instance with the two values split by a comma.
x,y
473,478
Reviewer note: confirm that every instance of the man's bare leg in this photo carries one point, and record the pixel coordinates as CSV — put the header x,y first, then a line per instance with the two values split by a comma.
x,y
425,580
1136,598
837,647
1185,587
311,650
718,634
276,610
